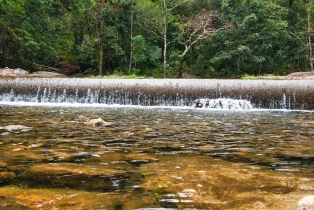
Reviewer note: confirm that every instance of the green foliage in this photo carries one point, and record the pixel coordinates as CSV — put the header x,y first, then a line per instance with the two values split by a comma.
x,y
262,37
259,35
117,75
138,48
249,77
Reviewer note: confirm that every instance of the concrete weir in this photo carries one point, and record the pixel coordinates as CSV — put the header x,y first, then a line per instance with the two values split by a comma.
x,y
261,94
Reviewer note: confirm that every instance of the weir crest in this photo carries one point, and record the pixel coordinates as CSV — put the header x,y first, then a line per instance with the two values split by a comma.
x,y
212,94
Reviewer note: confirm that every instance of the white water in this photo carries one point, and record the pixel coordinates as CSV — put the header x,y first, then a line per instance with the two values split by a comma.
x,y
117,106
223,103
179,93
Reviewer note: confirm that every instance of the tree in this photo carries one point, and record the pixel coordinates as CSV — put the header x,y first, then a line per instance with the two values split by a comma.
x,y
131,35
100,7
139,49
198,27
256,42
305,36
106,28
264,36
29,42
155,17
11,16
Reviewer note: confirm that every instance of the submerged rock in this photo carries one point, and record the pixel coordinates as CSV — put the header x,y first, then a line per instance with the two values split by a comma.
x,y
97,122
75,176
5,176
16,128
140,158
306,203
82,118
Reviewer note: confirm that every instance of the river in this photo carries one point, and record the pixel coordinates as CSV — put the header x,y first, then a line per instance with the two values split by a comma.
x,y
154,158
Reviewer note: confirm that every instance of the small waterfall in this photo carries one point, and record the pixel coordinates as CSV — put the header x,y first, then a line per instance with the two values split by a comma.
x,y
44,95
54,95
64,96
12,95
88,97
49,95
38,97
223,103
221,94
283,103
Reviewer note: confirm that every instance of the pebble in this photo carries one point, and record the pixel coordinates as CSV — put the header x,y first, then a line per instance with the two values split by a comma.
x,y
306,203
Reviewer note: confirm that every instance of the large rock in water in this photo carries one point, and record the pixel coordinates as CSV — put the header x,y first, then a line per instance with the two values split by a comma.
x,y
306,203
95,122
92,122
15,128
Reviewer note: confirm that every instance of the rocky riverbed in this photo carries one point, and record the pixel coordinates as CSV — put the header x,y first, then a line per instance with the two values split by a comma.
x,y
154,158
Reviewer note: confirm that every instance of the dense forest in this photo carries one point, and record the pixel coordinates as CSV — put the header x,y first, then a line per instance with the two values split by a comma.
x,y
159,38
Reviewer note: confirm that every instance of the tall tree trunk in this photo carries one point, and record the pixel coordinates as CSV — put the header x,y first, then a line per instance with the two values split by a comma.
x,y
165,36
2,47
238,66
100,49
309,37
165,51
100,41
307,42
131,37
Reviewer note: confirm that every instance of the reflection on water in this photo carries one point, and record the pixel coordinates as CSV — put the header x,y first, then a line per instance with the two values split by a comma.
x,y
155,159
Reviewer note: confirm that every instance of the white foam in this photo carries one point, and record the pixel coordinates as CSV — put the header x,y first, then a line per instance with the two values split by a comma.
x,y
223,103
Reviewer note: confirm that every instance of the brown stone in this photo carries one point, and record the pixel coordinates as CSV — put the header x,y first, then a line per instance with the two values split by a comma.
x,y
68,69
56,169
140,158
13,72
6,175
300,75
97,122
45,74
82,118
16,128
76,176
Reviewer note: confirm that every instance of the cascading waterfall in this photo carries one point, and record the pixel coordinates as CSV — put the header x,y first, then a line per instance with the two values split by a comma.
x,y
223,103
12,95
212,94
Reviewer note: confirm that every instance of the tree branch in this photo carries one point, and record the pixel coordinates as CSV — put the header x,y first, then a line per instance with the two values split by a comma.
x,y
302,42
150,31
197,28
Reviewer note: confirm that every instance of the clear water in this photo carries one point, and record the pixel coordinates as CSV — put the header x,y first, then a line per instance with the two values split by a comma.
x,y
155,158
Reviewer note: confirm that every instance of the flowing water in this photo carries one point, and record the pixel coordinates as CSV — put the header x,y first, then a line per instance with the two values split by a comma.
x,y
246,145
266,94
155,158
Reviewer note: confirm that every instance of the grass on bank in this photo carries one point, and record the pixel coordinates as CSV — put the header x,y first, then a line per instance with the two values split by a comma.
x,y
117,76
267,76
134,76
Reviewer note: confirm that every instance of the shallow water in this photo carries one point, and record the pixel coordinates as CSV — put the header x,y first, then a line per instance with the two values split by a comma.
x,y
155,158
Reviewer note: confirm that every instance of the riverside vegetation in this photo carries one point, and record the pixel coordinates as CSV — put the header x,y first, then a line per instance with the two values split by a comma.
x,y
158,38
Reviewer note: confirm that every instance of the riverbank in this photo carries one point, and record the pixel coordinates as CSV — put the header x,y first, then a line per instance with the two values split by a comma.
x,y
18,72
